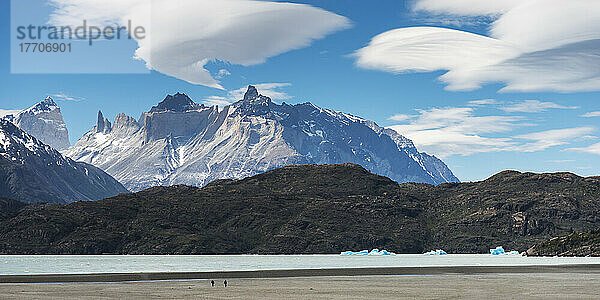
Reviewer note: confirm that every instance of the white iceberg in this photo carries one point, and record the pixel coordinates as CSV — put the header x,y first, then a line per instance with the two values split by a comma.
x,y
500,251
374,252
436,252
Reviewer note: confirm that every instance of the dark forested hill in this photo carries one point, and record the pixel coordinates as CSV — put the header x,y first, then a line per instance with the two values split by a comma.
x,y
314,209
512,209
9,208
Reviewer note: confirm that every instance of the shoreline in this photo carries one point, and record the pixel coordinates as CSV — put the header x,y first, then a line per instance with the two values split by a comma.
x,y
294,273
485,286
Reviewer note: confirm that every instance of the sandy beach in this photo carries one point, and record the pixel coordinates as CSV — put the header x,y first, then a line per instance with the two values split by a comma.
x,y
484,286
558,282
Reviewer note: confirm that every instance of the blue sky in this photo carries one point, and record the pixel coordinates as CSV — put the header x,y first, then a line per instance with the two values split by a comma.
x,y
533,126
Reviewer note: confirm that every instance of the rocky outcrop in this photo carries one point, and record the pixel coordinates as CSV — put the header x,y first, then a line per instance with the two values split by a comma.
x,y
177,103
575,244
102,125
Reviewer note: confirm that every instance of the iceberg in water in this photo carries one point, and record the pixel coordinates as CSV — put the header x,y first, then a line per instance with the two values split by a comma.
x,y
374,252
500,251
436,252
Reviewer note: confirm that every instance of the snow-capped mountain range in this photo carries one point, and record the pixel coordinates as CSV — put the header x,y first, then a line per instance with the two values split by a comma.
x,y
182,142
45,122
31,171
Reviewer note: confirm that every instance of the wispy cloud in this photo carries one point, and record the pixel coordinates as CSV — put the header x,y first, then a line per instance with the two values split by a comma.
x,y
400,117
446,20
5,112
465,131
217,100
545,139
525,49
271,90
222,74
466,7
561,161
65,97
483,102
188,34
534,106
591,114
593,149
458,131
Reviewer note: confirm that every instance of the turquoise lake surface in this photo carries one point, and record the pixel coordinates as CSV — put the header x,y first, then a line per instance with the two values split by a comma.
x,y
82,264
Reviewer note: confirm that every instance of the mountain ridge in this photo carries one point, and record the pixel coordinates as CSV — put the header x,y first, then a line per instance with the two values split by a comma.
x,y
308,209
181,142
35,172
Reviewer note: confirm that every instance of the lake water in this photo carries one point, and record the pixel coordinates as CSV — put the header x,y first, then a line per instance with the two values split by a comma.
x,y
79,264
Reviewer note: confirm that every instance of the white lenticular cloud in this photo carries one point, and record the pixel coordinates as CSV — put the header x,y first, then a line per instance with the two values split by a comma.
x,y
426,49
569,68
533,45
546,24
410,49
185,35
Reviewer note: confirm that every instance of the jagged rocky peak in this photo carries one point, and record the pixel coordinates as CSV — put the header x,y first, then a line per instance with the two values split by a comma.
x,y
254,97
103,125
45,122
122,120
177,103
251,93
46,105
253,104
49,101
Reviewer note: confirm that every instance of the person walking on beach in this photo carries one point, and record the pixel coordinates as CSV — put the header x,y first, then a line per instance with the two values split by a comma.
x,y
225,283
212,283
